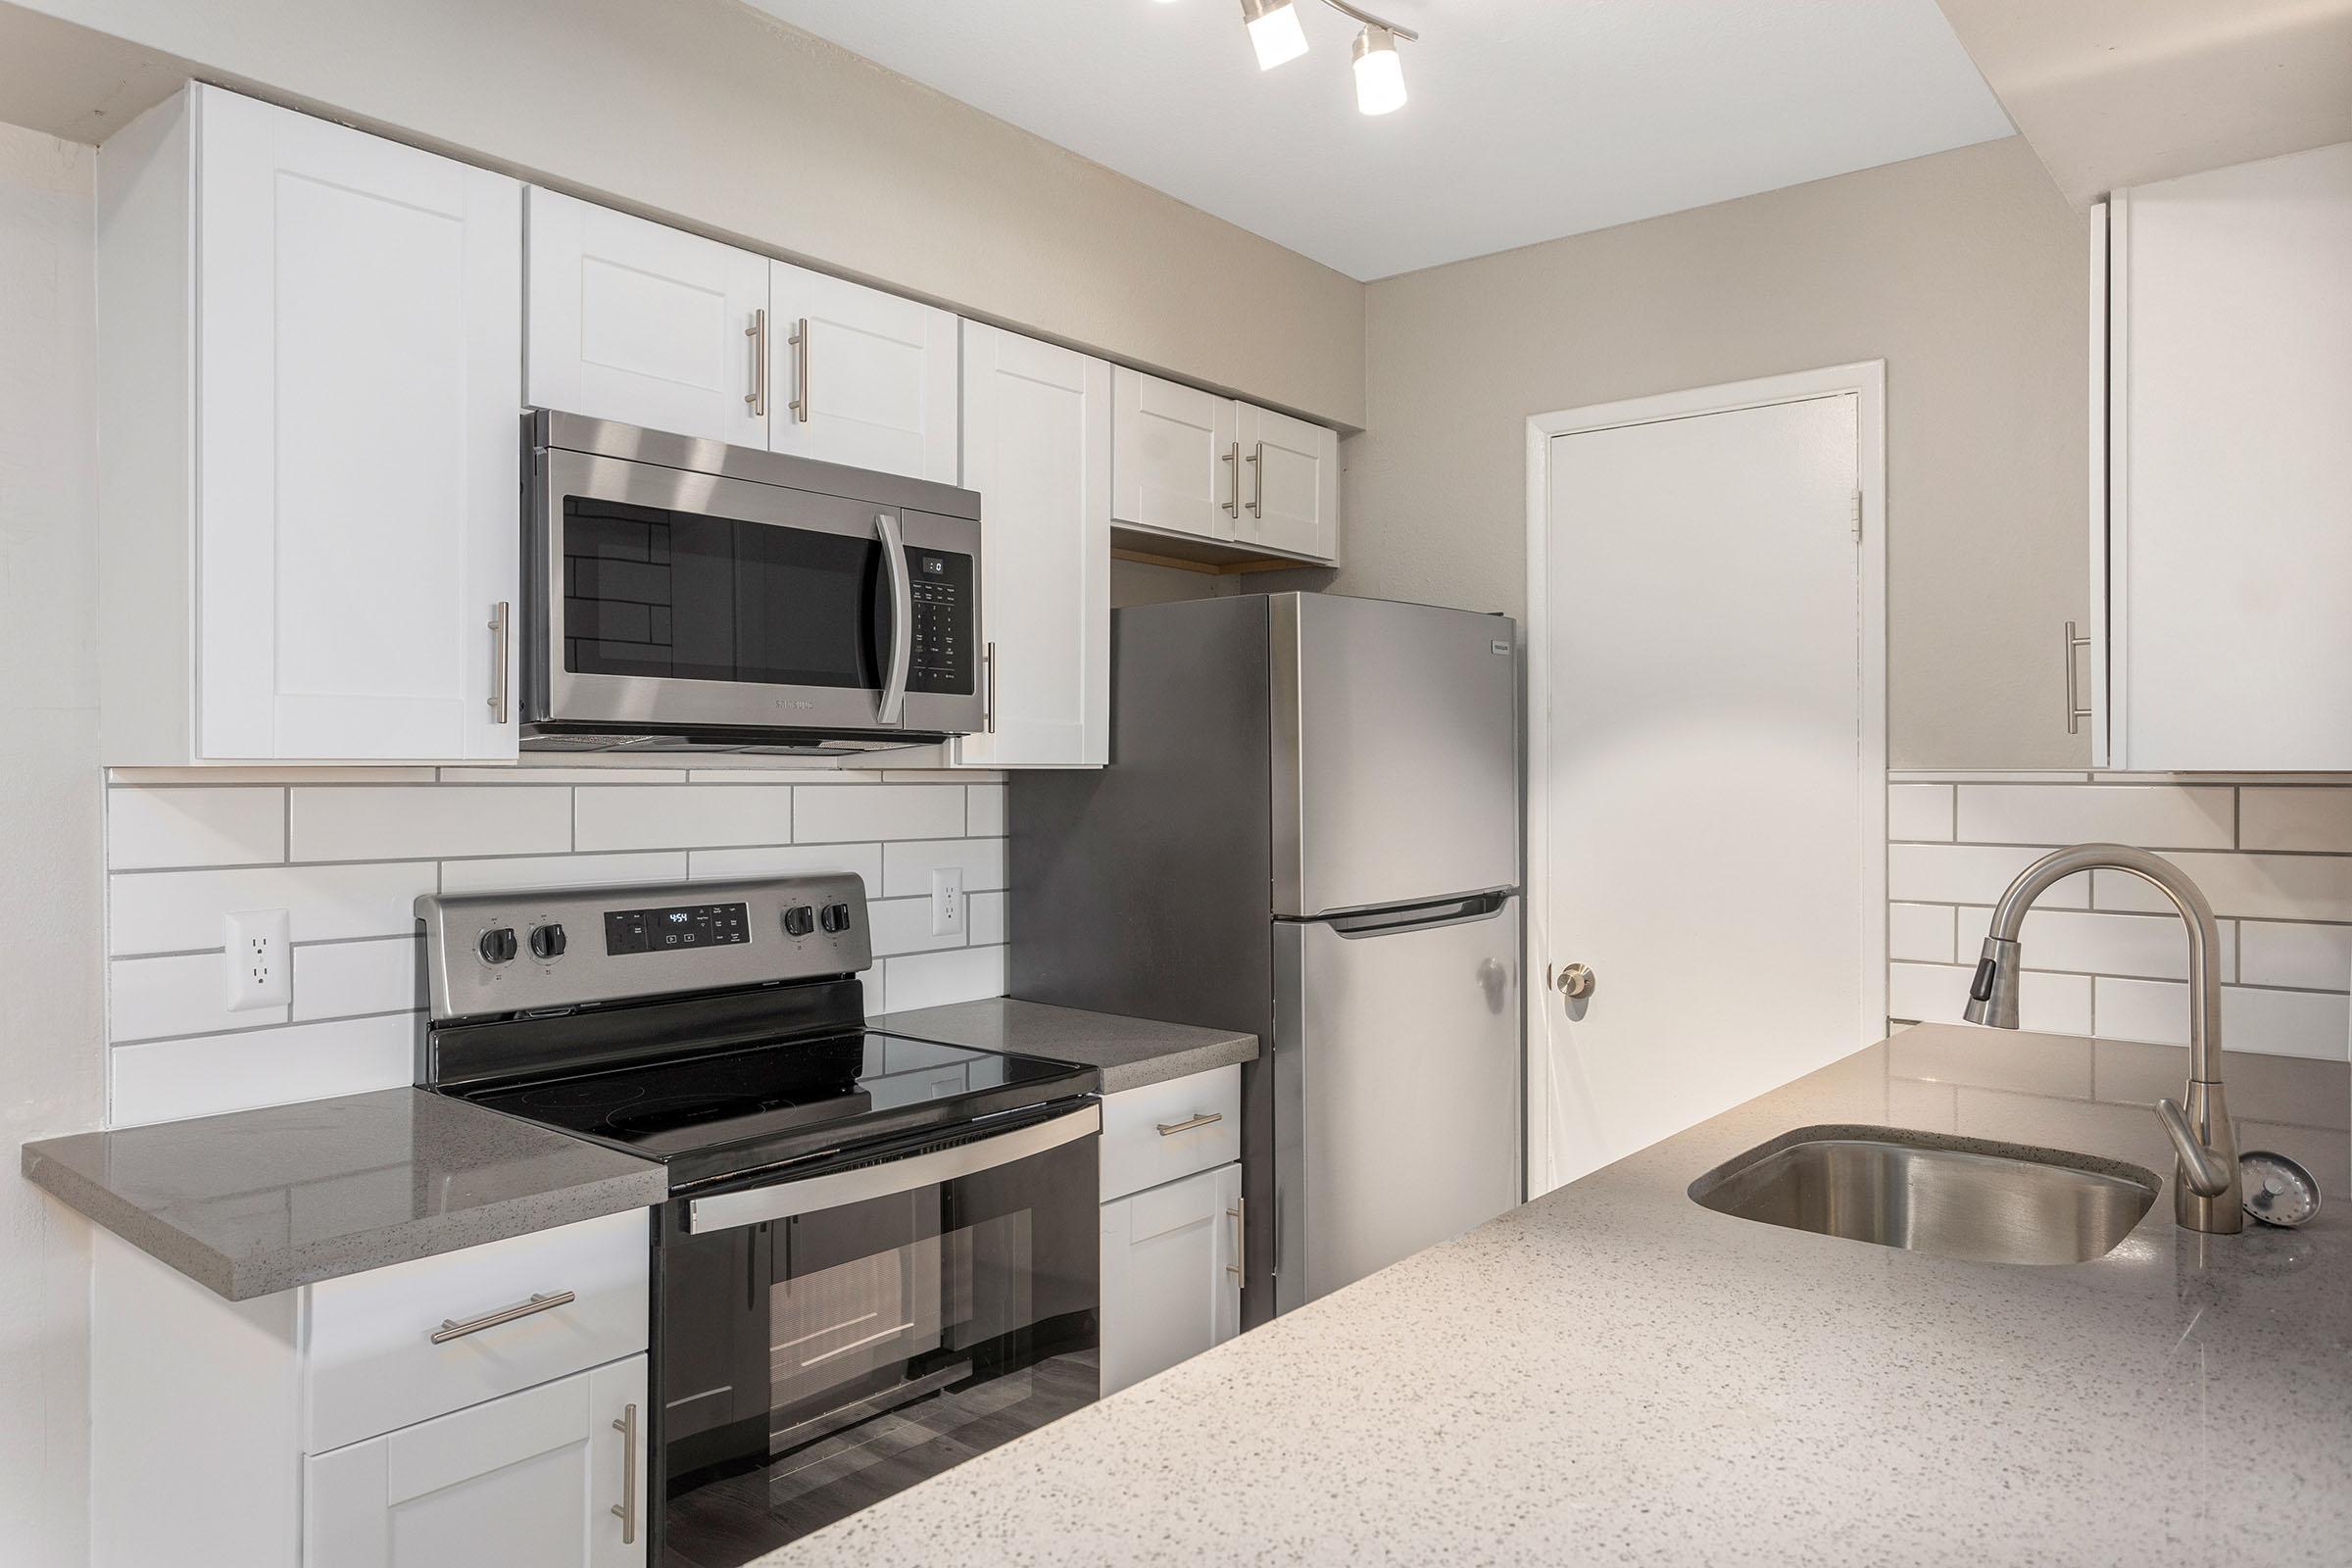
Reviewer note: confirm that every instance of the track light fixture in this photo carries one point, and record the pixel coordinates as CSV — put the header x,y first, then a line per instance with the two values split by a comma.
x,y
1278,38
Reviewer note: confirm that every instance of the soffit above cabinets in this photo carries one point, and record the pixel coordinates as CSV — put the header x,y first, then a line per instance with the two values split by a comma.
x,y
2115,93
1527,118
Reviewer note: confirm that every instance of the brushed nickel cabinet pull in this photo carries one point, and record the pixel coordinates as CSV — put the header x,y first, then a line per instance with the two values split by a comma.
x,y
501,623
1258,482
625,1510
800,371
451,1329
1233,465
757,397
2075,712
1240,1260
1169,1129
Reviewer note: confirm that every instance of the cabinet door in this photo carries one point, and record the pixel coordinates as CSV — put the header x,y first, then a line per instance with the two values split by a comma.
x,y
2230,478
553,1477
1175,457
1291,479
636,322
359,470
1037,448
1171,1274
859,376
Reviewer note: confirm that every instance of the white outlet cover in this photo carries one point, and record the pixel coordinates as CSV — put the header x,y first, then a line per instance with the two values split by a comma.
x,y
947,899
261,962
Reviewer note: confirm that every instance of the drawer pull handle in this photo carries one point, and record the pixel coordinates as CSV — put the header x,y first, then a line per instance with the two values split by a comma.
x,y
1240,1260
1169,1129
451,1329
625,1510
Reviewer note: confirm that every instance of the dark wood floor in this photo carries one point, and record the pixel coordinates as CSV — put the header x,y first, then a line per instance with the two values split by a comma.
x,y
726,1523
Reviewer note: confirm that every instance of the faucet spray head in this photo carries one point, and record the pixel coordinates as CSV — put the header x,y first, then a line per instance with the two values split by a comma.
x,y
1993,993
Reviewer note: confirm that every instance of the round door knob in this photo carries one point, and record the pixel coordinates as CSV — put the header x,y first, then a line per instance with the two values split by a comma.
x,y
1576,980
547,942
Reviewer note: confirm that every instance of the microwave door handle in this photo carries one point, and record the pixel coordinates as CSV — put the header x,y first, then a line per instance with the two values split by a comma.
x,y
901,618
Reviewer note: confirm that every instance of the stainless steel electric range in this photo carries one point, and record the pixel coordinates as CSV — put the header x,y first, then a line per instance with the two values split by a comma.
x,y
879,1253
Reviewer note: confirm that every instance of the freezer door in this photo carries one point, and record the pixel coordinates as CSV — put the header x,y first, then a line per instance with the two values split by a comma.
x,y
1396,753
1396,1087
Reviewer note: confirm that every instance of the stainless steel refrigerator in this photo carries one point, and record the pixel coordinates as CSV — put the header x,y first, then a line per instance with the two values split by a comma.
x,y
1308,829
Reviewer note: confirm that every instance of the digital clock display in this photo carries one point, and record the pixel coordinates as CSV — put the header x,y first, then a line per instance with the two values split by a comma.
x,y
671,930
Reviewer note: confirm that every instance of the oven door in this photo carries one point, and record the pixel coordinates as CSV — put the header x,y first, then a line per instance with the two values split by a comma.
x,y
845,1334
665,599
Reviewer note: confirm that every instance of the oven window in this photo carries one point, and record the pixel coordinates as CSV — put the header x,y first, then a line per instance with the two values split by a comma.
x,y
685,596
816,1363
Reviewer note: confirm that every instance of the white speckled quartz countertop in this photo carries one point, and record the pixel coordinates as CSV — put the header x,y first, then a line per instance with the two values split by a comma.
x,y
1612,1374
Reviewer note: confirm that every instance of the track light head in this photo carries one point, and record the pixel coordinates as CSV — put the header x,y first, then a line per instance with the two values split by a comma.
x,y
1379,72
1274,31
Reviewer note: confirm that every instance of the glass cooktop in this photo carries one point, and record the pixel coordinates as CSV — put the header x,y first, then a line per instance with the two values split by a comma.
x,y
758,1092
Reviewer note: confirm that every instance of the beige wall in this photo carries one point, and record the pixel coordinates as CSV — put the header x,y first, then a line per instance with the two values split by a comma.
x,y
710,111
1965,271
52,1053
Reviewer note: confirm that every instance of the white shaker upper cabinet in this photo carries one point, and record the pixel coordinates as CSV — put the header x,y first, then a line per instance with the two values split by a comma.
x,y
649,326
1176,458
859,376
1037,448
2227,536
1291,471
347,315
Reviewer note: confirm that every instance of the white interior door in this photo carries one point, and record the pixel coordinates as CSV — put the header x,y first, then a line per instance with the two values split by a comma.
x,y
870,381
1175,457
1291,476
1702,772
644,323
359,454
1037,446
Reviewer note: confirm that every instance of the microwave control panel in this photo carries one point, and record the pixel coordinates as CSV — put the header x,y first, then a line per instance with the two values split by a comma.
x,y
943,628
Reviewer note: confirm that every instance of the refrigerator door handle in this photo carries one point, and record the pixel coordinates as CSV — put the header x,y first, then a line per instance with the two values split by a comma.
x,y
1419,916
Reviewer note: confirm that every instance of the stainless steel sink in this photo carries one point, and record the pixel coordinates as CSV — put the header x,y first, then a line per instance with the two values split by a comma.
x,y
1926,1192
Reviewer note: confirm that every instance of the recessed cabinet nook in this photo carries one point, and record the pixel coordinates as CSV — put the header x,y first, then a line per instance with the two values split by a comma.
x,y
315,344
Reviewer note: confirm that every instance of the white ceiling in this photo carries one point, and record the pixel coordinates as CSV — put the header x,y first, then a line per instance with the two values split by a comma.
x,y
1527,119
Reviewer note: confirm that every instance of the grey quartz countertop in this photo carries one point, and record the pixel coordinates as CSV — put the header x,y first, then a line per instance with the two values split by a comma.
x,y
258,1202
1613,1374
1129,1052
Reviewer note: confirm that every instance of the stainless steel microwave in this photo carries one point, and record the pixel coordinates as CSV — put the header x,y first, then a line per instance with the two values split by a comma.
x,y
686,594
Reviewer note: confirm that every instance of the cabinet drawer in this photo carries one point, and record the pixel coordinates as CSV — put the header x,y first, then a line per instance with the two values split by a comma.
x,y
1141,1146
373,1364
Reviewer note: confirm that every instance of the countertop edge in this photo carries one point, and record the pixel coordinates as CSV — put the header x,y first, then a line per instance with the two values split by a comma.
x,y
1181,1064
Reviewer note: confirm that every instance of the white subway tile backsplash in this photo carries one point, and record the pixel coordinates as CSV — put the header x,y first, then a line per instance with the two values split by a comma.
x,y
2317,958
278,776
2260,887
583,774
1919,811
2151,946
562,871
985,915
903,925
863,861
1970,873
2156,816
168,1080
653,817
2296,820
934,979
186,993
907,866
851,811
984,811
1921,932
2048,1004
245,825
395,823
175,911
344,979
2279,1023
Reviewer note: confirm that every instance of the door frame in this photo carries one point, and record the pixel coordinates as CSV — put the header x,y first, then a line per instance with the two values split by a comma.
x,y
1867,381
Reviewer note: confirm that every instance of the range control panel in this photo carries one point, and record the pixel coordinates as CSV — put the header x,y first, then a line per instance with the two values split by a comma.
x,y
488,953
943,621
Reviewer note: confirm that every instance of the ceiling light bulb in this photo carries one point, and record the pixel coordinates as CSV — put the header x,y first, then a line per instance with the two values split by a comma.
x,y
1274,31
1379,72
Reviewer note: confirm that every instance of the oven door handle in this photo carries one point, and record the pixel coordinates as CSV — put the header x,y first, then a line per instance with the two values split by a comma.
x,y
901,618
757,1205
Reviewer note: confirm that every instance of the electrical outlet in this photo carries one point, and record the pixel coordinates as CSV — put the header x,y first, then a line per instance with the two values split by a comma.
x,y
261,969
947,901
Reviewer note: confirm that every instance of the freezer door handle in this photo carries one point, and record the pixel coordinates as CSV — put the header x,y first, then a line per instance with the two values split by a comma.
x,y
1419,916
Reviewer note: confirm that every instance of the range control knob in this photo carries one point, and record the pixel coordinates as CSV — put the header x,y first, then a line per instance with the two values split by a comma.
x,y
498,945
547,942
836,917
799,920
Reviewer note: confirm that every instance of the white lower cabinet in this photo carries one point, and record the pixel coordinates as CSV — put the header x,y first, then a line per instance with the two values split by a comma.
x,y
553,1477
1171,1274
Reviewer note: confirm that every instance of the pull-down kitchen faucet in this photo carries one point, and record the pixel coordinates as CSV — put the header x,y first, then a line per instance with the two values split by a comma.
x,y
2206,1191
